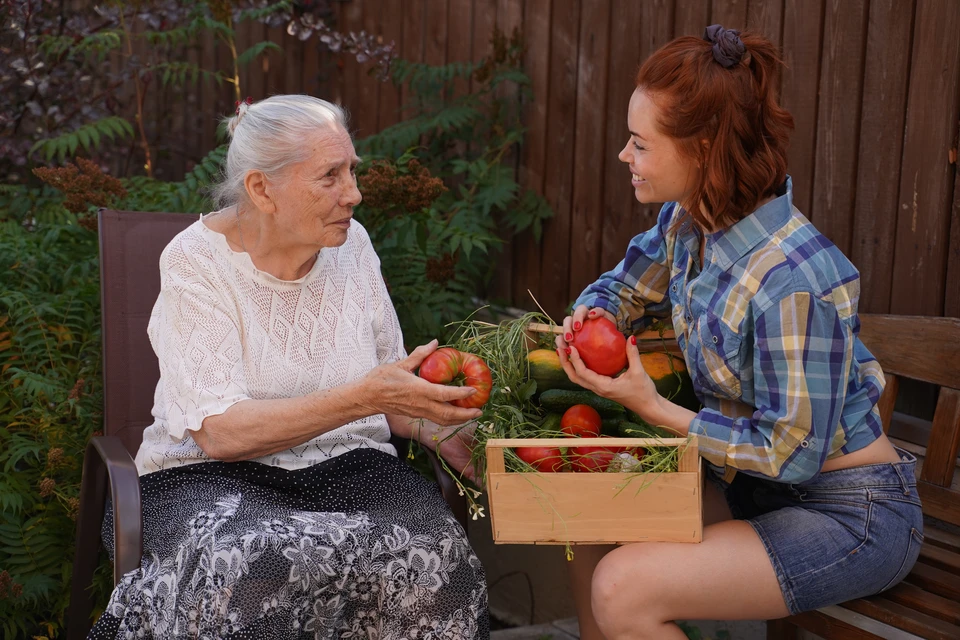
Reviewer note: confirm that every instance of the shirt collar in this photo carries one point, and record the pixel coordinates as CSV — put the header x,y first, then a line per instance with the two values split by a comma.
x,y
727,246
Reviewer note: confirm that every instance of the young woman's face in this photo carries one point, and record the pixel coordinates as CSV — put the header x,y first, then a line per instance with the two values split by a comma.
x,y
659,172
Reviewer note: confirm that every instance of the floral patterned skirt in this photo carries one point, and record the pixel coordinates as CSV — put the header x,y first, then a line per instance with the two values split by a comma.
x,y
360,546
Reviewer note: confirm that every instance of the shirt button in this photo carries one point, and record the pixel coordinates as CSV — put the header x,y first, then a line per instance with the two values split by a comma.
x,y
715,340
804,444
674,288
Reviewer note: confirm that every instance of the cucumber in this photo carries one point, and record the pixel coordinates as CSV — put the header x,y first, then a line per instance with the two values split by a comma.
x,y
551,423
559,400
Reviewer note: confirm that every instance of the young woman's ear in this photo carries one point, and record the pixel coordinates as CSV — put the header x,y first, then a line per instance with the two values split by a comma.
x,y
258,190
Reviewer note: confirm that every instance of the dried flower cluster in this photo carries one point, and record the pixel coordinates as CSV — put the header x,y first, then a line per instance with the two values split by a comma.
x,y
396,190
47,487
9,588
443,269
55,458
83,184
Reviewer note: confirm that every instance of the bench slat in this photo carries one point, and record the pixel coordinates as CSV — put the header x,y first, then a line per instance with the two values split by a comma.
x,y
940,558
931,604
943,539
879,608
942,504
935,580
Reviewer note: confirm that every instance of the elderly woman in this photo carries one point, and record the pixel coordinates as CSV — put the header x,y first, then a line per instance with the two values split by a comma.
x,y
273,504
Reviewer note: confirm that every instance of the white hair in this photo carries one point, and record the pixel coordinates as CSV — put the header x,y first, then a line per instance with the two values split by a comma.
x,y
269,136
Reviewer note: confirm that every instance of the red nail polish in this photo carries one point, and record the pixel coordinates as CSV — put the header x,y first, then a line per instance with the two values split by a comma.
x,y
567,350
576,326
633,339
592,313
568,337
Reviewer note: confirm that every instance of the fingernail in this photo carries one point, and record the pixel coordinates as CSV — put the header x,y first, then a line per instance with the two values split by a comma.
x,y
567,350
633,339
576,326
568,337
592,313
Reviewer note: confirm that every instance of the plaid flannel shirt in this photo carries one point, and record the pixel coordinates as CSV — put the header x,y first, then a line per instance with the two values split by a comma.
x,y
768,329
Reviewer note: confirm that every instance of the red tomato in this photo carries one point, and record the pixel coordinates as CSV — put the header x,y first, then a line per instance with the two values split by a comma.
x,y
543,459
449,366
591,458
581,421
601,346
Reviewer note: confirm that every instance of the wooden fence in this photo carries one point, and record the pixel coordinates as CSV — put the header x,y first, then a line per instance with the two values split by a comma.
x,y
874,87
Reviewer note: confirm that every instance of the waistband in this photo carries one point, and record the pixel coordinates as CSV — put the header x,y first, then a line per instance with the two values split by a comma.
x,y
899,475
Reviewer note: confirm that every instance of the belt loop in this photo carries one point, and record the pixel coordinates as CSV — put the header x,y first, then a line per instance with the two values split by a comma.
x,y
903,480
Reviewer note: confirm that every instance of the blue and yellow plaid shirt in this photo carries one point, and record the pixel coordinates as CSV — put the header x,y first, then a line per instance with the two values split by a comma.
x,y
768,329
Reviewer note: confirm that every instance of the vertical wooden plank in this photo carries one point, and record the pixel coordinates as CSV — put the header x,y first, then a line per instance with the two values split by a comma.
x,y
293,60
732,14
390,28
838,125
884,103
590,159
926,179
952,292
484,22
691,17
561,114
274,62
256,83
208,98
350,18
766,18
509,19
368,89
619,222
536,62
310,81
802,35
413,37
941,459
656,29
435,44
460,37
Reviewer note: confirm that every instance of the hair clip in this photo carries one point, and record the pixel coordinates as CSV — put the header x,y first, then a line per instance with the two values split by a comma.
x,y
237,104
728,48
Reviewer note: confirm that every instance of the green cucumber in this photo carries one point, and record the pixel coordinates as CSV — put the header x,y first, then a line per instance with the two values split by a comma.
x,y
559,400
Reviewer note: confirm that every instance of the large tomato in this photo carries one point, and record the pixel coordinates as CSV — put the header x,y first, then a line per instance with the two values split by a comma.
x,y
581,421
601,346
543,459
449,366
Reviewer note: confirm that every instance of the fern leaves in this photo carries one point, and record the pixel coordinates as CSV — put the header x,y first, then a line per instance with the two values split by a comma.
x,y
89,137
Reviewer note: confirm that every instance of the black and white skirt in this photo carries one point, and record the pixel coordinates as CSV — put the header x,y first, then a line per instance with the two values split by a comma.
x,y
360,546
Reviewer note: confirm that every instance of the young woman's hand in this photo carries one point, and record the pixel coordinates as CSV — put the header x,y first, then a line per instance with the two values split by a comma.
x,y
633,388
572,324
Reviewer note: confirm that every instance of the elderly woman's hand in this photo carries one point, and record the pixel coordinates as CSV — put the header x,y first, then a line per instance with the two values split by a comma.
x,y
394,389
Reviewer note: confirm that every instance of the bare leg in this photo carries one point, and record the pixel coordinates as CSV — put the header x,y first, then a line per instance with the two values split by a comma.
x,y
586,558
580,572
638,590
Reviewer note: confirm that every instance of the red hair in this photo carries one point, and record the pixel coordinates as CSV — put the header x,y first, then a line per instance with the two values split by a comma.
x,y
734,110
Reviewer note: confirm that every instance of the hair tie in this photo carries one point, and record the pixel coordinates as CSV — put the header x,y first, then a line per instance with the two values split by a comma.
x,y
241,103
728,48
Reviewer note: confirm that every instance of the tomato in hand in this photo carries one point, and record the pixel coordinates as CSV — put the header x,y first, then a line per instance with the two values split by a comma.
x,y
581,421
601,346
543,459
450,366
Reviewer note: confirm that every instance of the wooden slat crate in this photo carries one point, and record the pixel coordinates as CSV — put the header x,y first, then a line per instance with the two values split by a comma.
x,y
595,508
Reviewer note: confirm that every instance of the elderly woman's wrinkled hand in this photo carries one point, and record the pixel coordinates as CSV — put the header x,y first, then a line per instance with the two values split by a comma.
x,y
394,389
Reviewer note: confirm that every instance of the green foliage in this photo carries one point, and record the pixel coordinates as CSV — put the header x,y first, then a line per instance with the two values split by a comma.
x,y
88,136
468,141
50,404
256,51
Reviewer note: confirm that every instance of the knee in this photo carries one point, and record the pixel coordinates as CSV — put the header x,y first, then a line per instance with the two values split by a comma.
x,y
619,597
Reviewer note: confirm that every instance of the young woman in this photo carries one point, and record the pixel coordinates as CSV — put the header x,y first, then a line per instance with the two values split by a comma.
x,y
819,507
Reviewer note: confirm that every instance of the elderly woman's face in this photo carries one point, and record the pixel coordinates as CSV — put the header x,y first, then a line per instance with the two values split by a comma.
x,y
317,198
659,172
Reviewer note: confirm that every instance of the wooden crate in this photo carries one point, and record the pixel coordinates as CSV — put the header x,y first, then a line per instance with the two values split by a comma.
x,y
595,508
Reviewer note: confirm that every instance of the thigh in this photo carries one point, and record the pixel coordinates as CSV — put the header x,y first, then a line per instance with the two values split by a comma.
x,y
728,576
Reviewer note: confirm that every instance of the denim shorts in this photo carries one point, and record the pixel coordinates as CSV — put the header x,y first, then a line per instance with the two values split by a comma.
x,y
843,535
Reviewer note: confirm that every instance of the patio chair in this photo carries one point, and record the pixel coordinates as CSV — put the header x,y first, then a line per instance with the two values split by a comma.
x,y
130,247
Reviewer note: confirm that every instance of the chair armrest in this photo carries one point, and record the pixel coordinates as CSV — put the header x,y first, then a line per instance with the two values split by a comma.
x,y
125,495
105,460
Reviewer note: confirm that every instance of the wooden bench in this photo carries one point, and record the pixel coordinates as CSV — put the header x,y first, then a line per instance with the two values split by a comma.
x,y
927,603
